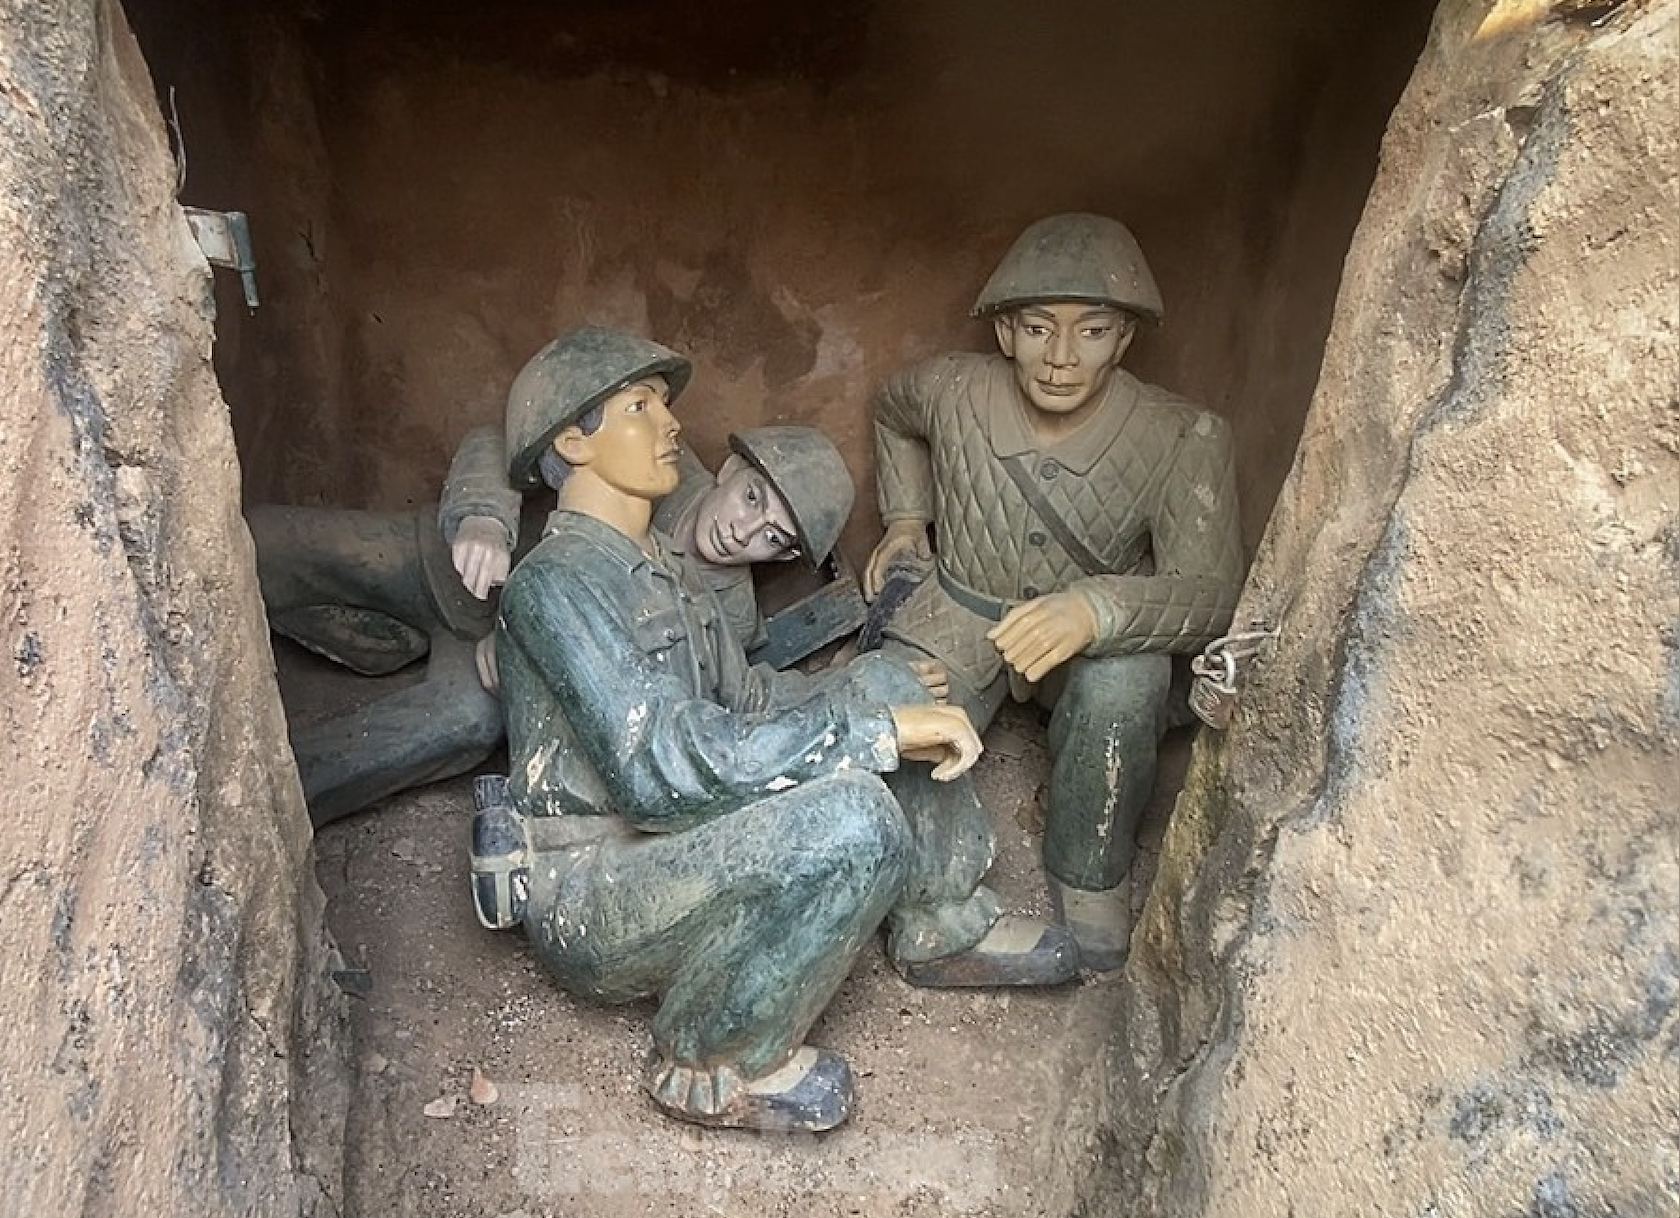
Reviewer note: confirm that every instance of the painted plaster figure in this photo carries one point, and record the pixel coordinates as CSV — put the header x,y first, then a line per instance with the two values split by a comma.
x,y
377,592
1086,527
715,834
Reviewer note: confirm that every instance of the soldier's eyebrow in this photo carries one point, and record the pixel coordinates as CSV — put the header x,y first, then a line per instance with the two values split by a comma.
x,y
780,514
1084,317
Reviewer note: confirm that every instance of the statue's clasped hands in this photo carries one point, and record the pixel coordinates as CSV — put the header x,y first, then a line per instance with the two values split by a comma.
x,y
1036,636
943,735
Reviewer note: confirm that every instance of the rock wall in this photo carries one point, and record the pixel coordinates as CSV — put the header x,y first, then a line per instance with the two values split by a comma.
x,y
173,1041
1413,945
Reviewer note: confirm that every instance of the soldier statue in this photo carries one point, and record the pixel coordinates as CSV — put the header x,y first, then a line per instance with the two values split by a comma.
x,y
379,591
1086,532
722,836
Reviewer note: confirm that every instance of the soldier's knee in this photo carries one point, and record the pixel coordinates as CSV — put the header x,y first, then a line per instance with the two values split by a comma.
x,y
889,678
854,816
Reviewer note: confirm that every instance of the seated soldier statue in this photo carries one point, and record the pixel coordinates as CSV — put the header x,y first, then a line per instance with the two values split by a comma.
x,y
718,835
1086,530
379,591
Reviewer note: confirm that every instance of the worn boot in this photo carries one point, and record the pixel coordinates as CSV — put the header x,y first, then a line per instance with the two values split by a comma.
x,y
811,1092
1100,922
501,857
1016,951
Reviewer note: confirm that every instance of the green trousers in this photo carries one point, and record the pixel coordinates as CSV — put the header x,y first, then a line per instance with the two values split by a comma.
x,y
376,592
1107,717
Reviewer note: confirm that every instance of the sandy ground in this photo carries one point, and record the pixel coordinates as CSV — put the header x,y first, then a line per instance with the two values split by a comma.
x,y
960,1092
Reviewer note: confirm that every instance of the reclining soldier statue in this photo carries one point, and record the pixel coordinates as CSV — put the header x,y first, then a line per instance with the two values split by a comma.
x,y
379,591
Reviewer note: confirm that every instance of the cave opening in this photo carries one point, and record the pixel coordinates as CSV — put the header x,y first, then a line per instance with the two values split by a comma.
x,y
800,199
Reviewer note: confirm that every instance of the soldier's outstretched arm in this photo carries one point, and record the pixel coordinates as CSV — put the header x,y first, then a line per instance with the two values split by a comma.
x,y
478,512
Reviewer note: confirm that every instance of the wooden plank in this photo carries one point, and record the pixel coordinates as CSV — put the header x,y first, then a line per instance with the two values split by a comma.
x,y
831,612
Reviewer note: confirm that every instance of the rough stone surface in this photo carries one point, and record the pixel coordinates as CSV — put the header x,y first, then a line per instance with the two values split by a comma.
x,y
1412,948
173,1042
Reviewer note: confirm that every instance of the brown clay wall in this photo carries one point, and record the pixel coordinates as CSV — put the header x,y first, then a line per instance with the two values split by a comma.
x,y
803,203
1412,947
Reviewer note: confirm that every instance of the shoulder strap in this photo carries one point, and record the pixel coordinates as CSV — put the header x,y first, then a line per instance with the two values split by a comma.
x,y
1028,486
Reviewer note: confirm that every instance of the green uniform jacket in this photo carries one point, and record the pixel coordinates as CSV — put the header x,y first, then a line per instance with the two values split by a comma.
x,y
621,661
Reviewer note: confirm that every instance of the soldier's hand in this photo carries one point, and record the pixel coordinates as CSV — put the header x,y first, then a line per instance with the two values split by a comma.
x,y
1036,636
902,535
484,655
481,554
934,678
940,734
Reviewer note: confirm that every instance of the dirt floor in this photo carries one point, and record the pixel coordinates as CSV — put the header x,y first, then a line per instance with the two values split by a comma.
x,y
959,1107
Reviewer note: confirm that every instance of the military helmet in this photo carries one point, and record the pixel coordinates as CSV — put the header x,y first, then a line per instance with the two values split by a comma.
x,y
574,373
1074,256
810,476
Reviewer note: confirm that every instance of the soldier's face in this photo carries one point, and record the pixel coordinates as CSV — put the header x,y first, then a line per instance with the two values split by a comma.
x,y
1064,353
635,450
743,520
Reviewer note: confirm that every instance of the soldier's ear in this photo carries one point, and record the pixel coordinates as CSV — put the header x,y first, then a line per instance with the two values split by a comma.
x,y
572,446
1003,325
1128,331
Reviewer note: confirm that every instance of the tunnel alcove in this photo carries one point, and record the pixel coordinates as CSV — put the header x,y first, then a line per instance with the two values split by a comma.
x,y
802,200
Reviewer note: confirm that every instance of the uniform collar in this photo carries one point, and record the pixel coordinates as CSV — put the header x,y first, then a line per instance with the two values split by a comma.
x,y
614,543
679,526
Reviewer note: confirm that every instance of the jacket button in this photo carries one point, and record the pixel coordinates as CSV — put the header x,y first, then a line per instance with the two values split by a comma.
x,y
1030,592
1048,470
1035,539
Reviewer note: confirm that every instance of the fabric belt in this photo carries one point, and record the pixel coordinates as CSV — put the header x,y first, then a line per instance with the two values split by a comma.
x,y
988,607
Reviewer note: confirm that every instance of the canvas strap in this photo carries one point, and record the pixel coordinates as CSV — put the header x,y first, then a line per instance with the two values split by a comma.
x,y
1041,507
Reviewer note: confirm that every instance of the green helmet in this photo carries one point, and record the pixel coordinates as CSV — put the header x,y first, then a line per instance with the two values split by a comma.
x,y
574,373
810,476
1074,256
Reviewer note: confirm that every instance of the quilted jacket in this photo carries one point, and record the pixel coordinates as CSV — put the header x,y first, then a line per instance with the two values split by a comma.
x,y
1147,486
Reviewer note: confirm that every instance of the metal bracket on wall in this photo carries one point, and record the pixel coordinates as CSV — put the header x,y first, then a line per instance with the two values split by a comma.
x,y
225,238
